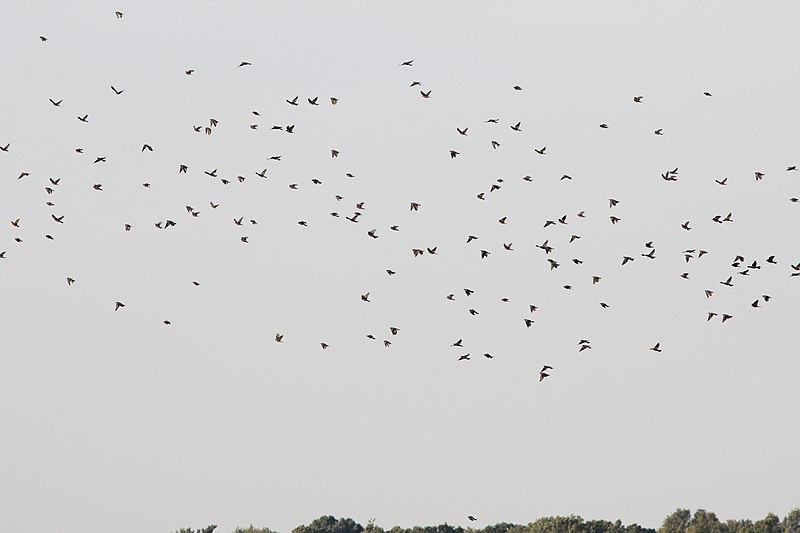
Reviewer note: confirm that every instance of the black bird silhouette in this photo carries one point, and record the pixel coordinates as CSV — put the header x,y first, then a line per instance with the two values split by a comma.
x,y
118,306
657,347
57,104
117,92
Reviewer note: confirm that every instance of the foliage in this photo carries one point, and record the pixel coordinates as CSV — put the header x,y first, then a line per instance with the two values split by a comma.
x,y
680,521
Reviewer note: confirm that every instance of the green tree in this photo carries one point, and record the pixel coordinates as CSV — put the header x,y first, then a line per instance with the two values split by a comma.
x,y
769,524
791,523
704,522
676,522
252,529
329,524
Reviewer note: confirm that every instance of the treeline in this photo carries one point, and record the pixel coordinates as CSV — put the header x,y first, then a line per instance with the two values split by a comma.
x,y
681,521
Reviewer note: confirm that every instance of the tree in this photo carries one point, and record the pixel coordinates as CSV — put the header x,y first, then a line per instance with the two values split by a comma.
x,y
329,524
791,523
704,522
769,524
676,522
252,529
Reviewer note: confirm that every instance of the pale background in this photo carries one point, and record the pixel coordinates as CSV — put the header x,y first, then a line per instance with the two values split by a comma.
x,y
115,421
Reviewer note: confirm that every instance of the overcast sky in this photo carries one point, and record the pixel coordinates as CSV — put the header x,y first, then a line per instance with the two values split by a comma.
x,y
116,419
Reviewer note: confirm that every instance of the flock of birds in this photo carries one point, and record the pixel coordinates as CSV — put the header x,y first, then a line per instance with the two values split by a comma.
x,y
742,267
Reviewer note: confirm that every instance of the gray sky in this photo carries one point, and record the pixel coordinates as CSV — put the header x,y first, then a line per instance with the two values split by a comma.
x,y
116,418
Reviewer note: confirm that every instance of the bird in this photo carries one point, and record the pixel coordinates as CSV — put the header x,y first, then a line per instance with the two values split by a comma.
x,y
118,14
657,347
84,118
278,337
543,375
313,101
245,64
415,206
57,104
117,92
293,101
118,306
727,282
726,317
189,72
638,99
462,132
365,297
425,94
541,150
407,63
710,316
453,154
470,517
516,127
70,281
147,147
707,93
